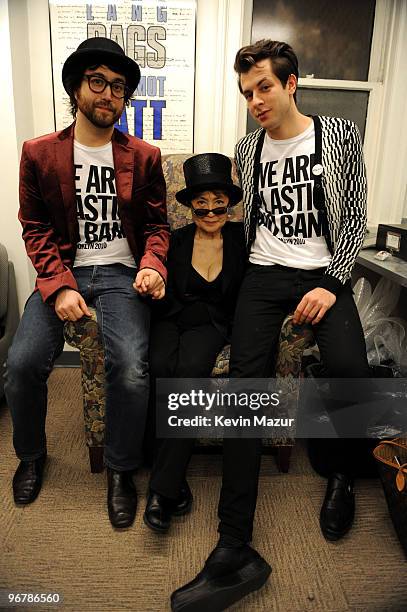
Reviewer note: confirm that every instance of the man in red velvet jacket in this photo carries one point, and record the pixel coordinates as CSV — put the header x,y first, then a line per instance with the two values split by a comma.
x,y
92,207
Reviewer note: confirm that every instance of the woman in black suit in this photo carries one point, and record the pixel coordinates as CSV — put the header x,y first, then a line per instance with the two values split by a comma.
x,y
206,262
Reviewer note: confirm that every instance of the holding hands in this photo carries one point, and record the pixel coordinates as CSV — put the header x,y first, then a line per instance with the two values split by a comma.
x,y
149,282
70,305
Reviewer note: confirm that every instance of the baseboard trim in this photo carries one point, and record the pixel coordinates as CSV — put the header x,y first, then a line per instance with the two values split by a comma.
x,y
68,359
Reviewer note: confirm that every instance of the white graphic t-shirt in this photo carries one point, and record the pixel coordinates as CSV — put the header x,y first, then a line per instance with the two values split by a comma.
x,y
289,230
101,236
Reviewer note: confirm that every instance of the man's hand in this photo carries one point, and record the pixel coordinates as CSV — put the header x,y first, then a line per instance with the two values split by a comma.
x,y
70,305
313,306
150,282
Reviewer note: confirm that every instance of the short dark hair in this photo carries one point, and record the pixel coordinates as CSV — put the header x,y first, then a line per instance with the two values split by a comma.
x,y
73,82
283,59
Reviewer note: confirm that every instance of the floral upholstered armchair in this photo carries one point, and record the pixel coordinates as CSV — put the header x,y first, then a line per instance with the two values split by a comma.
x,y
84,335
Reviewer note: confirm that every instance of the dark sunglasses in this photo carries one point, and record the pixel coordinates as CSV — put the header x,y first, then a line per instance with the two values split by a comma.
x,y
204,212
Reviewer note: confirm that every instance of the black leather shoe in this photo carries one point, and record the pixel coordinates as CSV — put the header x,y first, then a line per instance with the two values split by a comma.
x,y
27,480
184,502
229,575
159,509
158,512
338,509
121,498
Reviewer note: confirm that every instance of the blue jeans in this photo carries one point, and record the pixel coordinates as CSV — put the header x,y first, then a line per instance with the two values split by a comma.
x,y
124,320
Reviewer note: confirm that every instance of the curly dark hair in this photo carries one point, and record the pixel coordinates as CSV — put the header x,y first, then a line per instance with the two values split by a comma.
x,y
283,59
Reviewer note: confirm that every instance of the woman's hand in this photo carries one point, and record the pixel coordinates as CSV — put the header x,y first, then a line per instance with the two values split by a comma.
x,y
150,282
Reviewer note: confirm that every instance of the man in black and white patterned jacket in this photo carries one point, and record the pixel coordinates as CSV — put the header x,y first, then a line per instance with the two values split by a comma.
x,y
304,186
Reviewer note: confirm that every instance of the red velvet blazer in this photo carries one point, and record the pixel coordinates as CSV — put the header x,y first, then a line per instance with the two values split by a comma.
x,y
48,208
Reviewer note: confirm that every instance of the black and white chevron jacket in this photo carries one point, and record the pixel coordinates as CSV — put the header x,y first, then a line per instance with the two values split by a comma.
x,y
342,185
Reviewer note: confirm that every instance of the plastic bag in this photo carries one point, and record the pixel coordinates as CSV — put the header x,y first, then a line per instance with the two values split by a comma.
x,y
385,335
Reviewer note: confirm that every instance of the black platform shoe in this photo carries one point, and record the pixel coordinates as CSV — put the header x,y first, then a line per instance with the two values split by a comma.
x,y
229,575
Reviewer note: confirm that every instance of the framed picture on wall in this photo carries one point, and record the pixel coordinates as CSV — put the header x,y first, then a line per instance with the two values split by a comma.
x,y
160,37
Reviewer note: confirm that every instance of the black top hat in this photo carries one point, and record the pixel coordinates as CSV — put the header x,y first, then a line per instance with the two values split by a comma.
x,y
206,172
100,50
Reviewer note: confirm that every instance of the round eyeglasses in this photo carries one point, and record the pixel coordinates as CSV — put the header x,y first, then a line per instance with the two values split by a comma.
x,y
98,84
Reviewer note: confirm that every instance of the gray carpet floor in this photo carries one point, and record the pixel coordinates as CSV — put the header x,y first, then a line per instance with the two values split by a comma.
x,y
63,543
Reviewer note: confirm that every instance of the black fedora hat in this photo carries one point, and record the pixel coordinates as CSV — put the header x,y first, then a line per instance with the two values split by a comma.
x,y
206,172
100,50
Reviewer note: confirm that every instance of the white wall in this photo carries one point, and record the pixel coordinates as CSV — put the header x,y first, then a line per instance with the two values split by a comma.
x,y
10,228
387,174
223,26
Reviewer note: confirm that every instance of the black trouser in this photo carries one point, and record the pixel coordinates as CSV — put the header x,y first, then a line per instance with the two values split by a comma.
x,y
267,295
179,352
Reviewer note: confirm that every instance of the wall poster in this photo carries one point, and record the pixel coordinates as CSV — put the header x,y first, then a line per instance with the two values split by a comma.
x,y
160,37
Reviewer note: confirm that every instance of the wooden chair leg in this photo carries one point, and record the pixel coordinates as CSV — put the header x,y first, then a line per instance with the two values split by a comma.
x,y
96,459
283,457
